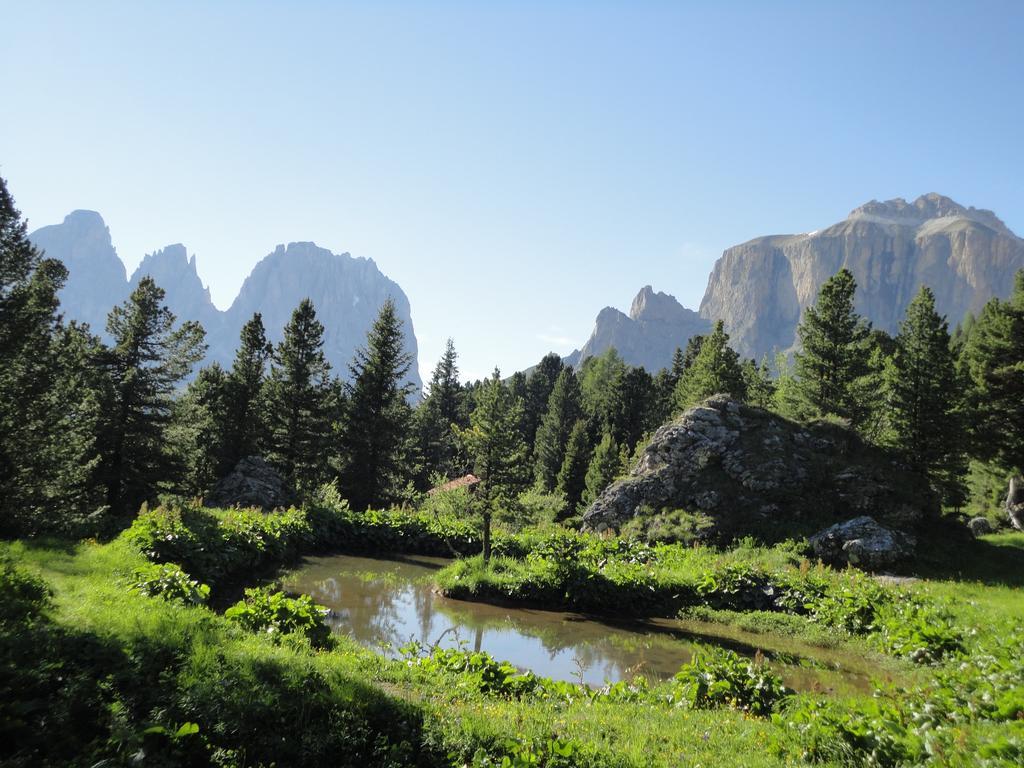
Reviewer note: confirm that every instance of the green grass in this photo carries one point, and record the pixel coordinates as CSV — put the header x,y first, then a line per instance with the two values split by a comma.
x,y
107,672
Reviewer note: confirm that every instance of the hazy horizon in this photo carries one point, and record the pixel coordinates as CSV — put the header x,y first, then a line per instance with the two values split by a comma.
x,y
513,168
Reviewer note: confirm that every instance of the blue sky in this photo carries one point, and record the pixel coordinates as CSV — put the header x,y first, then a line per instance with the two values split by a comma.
x,y
515,167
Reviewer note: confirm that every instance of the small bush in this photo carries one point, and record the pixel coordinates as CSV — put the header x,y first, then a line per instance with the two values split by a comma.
x,y
171,583
276,614
721,678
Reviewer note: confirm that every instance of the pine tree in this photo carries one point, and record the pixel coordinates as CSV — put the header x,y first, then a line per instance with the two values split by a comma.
x,y
435,417
604,467
924,394
376,430
301,401
601,385
637,407
539,386
993,359
496,449
246,395
150,357
834,352
48,415
572,475
200,430
563,411
715,370
757,380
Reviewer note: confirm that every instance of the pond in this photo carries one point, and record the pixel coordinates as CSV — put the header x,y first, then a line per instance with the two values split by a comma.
x,y
385,603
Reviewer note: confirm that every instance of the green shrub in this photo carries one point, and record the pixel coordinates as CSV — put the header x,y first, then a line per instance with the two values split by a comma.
x,y
720,678
171,583
22,595
276,614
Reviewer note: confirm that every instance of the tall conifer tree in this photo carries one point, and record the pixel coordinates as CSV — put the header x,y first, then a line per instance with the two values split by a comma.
x,y
301,401
376,428
563,411
149,359
496,449
834,352
439,412
246,393
924,397
572,475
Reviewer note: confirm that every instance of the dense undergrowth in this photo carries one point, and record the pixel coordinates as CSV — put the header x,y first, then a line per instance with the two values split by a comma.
x,y
114,657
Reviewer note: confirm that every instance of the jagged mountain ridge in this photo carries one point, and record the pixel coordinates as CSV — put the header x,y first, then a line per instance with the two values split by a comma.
x,y
648,336
346,291
965,255
760,288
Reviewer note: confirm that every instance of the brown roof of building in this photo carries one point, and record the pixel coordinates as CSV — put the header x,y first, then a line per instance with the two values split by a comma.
x,y
465,481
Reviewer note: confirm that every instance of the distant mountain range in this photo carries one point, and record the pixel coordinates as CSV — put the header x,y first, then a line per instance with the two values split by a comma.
x,y
760,288
347,292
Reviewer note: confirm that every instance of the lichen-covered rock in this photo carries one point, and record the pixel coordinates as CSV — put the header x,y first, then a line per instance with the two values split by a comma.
x,y
754,472
864,543
980,526
252,483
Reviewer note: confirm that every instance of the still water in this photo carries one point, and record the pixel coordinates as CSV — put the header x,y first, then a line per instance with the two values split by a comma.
x,y
385,603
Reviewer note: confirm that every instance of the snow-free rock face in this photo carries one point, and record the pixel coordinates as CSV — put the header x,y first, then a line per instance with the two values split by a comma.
x,y
185,295
96,277
347,292
648,336
965,255
749,471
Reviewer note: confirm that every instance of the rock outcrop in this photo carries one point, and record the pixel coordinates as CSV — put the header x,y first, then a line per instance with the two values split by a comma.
x,y
862,542
648,336
966,256
347,292
252,483
751,471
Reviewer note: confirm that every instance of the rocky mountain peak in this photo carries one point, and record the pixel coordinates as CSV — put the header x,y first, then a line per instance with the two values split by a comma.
x,y
925,208
654,306
648,335
965,255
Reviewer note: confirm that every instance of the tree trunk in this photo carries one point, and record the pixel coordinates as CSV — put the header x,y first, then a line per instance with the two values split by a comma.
x,y
487,537
1015,502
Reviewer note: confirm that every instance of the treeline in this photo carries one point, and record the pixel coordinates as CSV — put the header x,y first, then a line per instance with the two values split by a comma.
x,y
92,431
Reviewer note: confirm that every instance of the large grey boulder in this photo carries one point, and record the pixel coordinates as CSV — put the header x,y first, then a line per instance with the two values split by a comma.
x,y
864,543
980,526
252,483
749,471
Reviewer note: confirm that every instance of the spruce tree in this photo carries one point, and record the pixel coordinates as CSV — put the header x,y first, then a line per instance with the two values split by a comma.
x,y
48,408
201,429
435,417
715,370
496,450
637,415
924,397
993,359
301,401
563,411
604,467
834,352
246,395
572,475
376,429
757,380
148,360
539,386
601,385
